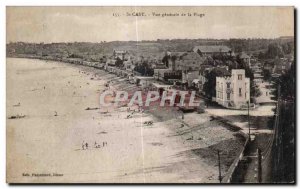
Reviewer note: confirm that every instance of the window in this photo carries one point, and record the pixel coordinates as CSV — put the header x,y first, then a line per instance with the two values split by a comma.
x,y
240,77
240,91
228,96
228,85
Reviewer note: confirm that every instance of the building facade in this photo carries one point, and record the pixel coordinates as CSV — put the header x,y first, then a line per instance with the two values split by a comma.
x,y
209,50
121,54
233,91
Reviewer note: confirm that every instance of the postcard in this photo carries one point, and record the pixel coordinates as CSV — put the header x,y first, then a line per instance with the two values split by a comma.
x,y
150,95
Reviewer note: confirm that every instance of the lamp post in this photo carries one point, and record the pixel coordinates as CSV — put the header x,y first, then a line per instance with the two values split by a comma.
x,y
219,165
249,119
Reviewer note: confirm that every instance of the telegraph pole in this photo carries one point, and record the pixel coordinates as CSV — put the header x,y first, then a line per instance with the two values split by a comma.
x,y
249,119
259,169
219,163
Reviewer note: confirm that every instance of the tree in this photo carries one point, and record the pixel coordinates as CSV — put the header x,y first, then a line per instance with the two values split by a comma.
x,y
119,62
267,74
261,55
274,50
288,47
285,150
144,69
210,84
287,84
165,60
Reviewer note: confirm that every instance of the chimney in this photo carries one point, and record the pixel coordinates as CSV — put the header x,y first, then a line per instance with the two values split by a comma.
x,y
173,65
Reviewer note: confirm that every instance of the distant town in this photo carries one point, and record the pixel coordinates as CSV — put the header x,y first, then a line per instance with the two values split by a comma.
x,y
229,72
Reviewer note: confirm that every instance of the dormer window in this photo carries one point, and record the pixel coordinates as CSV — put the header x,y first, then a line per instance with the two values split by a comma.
x,y
240,77
228,85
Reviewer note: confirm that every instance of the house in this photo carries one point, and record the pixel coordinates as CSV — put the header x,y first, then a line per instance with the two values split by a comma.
x,y
159,73
185,61
143,81
204,70
282,66
129,65
159,66
209,50
77,61
109,65
168,70
121,54
167,75
160,87
233,91
268,65
182,67
258,78
245,58
278,66
182,61
190,61
190,77
256,68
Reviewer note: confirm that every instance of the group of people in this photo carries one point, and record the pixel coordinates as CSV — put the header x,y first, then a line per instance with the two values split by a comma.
x,y
85,145
139,110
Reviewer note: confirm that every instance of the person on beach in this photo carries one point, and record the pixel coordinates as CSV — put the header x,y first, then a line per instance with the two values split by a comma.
x,y
83,145
86,146
104,144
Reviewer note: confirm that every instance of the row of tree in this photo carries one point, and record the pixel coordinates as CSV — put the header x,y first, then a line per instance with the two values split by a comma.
x,y
283,151
277,50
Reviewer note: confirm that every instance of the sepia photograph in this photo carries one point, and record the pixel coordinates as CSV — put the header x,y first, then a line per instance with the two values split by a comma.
x,y
150,94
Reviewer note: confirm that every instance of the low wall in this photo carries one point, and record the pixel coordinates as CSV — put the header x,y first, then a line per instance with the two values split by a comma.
x,y
232,171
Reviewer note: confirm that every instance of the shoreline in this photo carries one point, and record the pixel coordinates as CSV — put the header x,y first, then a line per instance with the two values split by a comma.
x,y
182,134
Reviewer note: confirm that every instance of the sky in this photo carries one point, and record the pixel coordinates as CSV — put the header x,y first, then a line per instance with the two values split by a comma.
x,y
96,24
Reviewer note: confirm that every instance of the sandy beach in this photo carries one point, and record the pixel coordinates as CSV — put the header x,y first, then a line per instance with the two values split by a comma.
x,y
60,103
